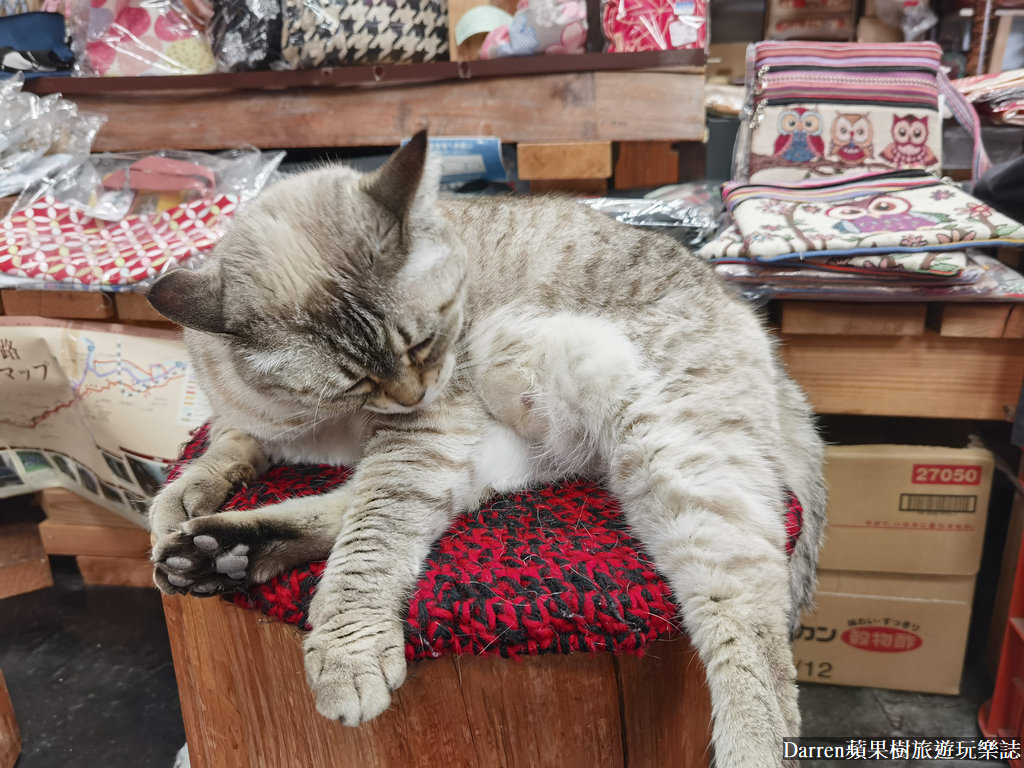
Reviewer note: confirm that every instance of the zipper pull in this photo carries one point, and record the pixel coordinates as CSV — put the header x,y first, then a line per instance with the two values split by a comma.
x,y
759,79
758,115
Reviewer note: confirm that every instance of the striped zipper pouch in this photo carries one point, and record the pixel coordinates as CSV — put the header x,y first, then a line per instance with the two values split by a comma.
x,y
908,211
830,109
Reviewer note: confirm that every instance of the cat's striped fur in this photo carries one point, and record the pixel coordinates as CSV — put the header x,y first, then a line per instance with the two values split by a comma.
x,y
465,347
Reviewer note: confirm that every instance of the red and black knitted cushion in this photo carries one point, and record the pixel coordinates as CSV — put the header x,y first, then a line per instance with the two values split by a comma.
x,y
548,570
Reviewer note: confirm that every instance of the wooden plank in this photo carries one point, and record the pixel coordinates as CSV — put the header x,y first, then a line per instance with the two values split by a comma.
x,y
24,566
928,375
660,692
81,305
974,321
574,187
245,702
116,571
63,506
587,106
135,308
10,735
852,318
1014,328
645,164
107,541
567,160
550,710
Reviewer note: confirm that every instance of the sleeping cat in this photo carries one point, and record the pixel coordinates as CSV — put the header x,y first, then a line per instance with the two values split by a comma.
x,y
461,348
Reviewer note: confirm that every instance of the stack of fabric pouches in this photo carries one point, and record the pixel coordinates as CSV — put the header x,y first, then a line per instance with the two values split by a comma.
x,y
836,186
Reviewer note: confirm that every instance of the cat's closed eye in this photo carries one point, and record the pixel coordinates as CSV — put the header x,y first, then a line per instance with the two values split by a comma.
x,y
418,352
362,387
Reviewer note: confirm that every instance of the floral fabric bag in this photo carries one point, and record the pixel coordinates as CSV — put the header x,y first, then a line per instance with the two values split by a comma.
x,y
902,212
831,109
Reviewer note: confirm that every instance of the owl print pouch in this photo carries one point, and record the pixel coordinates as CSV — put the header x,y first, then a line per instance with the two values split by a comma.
x,y
840,109
898,212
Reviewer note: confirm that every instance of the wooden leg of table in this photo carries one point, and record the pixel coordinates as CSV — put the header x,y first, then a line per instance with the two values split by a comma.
x,y
10,736
245,702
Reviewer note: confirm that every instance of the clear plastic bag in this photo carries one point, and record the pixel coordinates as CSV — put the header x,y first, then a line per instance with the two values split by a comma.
x,y
114,221
139,37
39,136
245,34
914,17
689,211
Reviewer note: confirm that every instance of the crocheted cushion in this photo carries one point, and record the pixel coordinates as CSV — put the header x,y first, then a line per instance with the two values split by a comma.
x,y
548,570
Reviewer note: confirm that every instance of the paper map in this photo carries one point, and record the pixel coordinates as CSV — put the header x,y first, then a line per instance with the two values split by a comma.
x,y
98,408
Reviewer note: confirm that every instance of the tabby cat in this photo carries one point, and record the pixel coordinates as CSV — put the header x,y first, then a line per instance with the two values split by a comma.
x,y
461,348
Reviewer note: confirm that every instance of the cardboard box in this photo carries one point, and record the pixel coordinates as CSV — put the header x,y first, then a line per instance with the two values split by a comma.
x,y
906,509
907,632
872,30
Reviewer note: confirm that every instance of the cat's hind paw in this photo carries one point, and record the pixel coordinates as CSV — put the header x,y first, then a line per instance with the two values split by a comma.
x,y
353,670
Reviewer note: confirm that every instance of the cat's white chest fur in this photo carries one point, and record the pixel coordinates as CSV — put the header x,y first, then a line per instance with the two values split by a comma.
x,y
548,382
504,460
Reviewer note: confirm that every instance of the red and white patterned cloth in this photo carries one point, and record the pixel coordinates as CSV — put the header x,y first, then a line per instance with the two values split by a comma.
x,y
53,241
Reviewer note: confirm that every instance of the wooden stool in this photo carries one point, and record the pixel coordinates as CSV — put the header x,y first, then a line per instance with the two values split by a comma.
x,y
10,736
245,704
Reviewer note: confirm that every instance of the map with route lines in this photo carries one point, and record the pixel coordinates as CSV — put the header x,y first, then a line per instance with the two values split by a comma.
x,y
99,408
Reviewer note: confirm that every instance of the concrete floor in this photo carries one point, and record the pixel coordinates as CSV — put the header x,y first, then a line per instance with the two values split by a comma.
x,y
90,675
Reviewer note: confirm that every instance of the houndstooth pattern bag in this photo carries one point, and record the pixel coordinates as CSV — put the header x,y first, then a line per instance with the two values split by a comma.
x,y
319,33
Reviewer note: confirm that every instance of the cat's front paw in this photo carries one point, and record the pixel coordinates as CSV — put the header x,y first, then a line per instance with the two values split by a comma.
x,y
352,670
200,564
194,494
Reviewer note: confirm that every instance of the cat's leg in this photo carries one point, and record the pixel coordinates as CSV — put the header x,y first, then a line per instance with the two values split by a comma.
x,y
232,458
413,479
704,503
229,551
801,458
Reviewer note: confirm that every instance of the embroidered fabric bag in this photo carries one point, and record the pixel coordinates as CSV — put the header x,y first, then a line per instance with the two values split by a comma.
x,y
827,109
321,33
888,213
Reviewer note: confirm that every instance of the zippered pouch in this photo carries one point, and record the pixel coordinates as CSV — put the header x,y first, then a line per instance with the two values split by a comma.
x,y
895,212
828,109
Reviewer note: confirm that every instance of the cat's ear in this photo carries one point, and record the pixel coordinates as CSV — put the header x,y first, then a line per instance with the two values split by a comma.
x,y
192,299
406,183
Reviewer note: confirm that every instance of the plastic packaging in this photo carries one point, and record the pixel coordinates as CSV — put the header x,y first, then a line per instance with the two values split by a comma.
x,y
984,279
654,25
914,17
689,211
540,27
116,220
139,37
245,34
39,136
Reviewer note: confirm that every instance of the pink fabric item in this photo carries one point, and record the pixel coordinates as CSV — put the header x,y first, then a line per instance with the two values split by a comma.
x,y
51,240
654,25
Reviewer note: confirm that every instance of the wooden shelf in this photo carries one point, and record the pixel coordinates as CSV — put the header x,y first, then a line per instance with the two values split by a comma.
x,y
654,96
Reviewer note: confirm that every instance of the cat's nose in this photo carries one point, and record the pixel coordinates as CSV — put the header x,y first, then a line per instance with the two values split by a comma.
x,y
407,396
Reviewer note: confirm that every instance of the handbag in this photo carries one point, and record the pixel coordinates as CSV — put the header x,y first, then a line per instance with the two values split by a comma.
x,y
322,33
882,213
34,44
827,109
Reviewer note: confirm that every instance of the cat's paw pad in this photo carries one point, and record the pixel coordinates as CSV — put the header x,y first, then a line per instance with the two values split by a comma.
x,y
200,563
352,671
